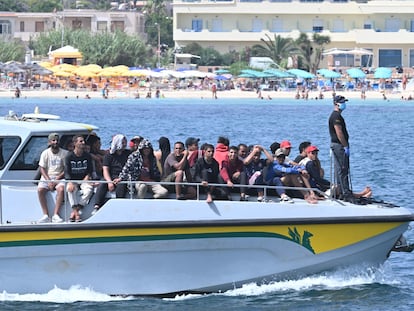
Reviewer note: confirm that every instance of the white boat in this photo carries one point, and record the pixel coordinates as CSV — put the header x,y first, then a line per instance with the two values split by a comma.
x,y
162,247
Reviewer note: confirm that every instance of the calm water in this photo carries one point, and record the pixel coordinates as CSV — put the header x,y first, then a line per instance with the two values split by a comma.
x,y
381,141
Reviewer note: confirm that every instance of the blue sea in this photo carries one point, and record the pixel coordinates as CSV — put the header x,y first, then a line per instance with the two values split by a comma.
x,y
381,140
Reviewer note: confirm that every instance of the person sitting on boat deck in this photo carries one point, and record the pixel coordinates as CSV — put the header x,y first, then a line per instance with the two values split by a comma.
x,y
282,174
162,153
274,146
176,169
93,146
194,153
255,168
207,171
149,173
243,152
232,172
313,167
51,166
286,147
78,169
302,151
134,143
221,152
113,162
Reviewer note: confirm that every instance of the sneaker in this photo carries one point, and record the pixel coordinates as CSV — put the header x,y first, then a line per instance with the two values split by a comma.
x,y
44,219
95,210
56,219
286,199
261,199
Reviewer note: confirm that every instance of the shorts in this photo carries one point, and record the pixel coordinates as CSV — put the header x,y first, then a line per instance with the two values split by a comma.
x,y
44,184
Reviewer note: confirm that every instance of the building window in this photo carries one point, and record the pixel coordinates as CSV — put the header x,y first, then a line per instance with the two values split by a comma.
x,y
392,24
197,25
277,25
117,25
5,27
257,25
338,25
22,26
411,58
76,24
102,26
39,26
389,58
217,25
317,25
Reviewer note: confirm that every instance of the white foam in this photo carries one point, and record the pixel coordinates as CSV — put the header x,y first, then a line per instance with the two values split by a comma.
x,y
58,295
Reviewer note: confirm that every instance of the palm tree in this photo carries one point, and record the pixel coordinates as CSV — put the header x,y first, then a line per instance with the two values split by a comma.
x,y
279,49
311,50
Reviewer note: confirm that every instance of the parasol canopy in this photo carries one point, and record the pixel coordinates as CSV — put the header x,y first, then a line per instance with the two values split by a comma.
x,y
356,73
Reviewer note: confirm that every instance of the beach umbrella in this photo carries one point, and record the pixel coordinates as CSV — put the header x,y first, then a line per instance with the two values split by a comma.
x,y
329,74
383,73
355,73
278,73
221,71
301,73
221,77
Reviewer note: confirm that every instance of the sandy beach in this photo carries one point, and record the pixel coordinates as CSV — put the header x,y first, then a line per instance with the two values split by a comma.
x,y
196,94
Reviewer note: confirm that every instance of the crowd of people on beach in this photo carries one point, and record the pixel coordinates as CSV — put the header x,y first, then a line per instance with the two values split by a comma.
x,y
164,172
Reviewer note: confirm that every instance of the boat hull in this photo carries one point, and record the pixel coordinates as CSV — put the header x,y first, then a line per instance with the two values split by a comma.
x,y
143,259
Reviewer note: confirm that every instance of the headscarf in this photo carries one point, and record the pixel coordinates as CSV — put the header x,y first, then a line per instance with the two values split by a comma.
x,y
116,143
144,143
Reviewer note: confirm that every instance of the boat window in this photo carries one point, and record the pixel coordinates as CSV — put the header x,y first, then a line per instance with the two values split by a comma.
x,y
29,157
8,146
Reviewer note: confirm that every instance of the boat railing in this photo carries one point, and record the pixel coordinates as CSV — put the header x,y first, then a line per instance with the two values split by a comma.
x,y
200,188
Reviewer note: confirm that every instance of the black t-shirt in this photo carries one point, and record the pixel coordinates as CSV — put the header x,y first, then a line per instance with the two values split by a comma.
x,y
337,119
76,168
115,162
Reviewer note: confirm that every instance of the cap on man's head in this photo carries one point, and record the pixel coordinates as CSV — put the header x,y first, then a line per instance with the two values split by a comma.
x,y
53,136
285,144
191,141
274,146
311,148
339,99
279,152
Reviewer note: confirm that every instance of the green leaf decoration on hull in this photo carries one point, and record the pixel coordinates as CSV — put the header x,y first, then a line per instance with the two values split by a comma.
x,y
303,240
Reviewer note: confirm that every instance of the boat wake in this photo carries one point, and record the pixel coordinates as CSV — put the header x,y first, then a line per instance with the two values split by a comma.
x,y
331,281
75,293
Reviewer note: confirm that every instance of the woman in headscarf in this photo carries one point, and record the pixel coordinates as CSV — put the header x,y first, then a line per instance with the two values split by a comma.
x,y
113,162
149,173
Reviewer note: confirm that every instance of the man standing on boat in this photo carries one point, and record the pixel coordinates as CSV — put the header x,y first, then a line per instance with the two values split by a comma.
x,y
51,166
78,167
340,147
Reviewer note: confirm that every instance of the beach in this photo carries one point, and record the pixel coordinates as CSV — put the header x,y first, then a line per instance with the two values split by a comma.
x,y
196,94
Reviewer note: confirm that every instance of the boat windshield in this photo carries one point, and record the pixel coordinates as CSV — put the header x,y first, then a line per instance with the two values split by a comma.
x,y
8,146
29,156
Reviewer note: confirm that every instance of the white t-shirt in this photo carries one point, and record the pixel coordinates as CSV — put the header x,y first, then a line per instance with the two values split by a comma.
x,y
54,163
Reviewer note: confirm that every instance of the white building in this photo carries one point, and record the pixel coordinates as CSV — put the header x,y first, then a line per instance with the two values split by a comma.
x,y
385,27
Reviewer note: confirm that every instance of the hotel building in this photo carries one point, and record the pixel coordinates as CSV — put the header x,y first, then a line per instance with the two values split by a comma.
x,y
385,27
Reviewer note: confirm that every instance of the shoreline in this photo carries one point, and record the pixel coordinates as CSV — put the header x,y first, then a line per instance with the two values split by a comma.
x,y
197,94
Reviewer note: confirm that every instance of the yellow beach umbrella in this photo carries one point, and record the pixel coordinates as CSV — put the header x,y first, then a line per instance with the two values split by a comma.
x,y
63,67
62,73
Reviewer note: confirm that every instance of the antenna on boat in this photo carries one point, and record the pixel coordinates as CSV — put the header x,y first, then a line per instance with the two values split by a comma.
x,y
37,110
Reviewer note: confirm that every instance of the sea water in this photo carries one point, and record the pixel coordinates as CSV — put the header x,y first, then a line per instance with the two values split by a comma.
x,y
381,139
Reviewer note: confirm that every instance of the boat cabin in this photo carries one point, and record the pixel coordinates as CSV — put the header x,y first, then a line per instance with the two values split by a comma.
x,y
22,140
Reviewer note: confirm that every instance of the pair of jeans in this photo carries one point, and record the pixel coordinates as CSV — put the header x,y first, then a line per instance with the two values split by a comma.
x,y
341,168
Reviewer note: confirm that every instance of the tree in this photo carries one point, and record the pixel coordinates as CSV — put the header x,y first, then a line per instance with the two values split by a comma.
x,y
11,50
105,49
278,49
311,50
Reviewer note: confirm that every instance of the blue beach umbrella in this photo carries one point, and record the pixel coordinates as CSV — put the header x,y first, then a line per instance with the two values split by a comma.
x,y
301,73
329,74
383,73
356,73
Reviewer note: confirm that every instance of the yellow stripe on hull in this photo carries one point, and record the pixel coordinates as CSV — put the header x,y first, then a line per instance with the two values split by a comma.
x,y
321,237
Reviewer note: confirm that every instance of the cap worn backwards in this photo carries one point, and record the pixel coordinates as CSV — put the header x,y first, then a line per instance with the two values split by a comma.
x,y
53,136
191,141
